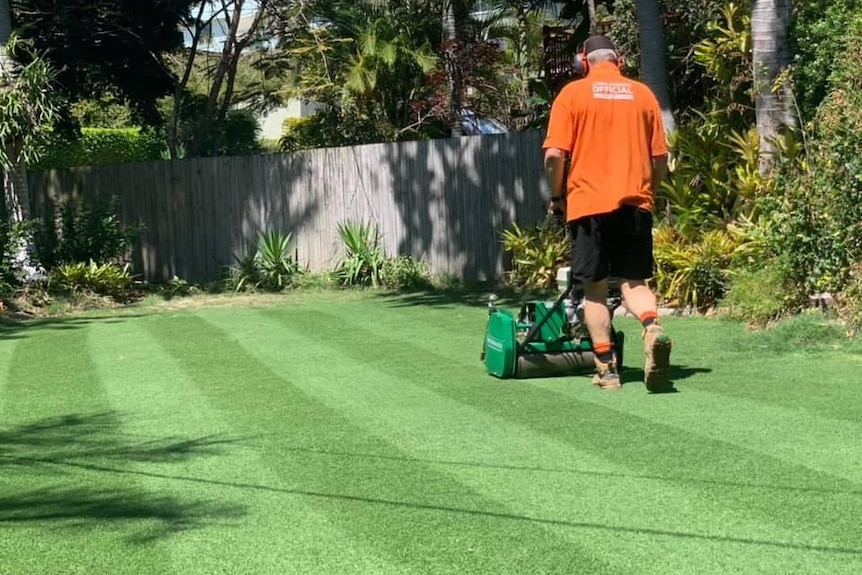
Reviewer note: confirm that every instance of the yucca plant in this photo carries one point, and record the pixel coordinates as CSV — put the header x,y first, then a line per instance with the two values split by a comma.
x,y
275,264
364,258
243,274
269,265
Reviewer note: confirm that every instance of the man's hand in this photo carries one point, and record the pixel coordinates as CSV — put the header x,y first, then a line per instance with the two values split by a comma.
x,y
659,171
557,209
555,163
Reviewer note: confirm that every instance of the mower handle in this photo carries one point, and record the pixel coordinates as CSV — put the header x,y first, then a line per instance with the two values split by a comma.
x,y
570,286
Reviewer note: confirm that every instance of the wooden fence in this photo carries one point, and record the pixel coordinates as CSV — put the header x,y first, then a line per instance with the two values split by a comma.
x,y
444,201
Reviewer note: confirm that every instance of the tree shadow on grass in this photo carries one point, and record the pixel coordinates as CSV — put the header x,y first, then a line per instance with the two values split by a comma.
x,y
15,328
149,516
48,453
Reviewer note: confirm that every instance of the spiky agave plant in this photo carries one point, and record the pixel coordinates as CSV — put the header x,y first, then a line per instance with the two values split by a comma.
x,y
364,258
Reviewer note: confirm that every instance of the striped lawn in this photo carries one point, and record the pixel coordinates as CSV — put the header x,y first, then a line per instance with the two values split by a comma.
x,y
359,434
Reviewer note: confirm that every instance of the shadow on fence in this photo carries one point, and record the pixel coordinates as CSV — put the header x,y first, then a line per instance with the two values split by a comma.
x,y
443,201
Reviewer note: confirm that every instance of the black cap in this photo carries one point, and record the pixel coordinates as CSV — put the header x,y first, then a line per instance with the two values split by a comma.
x,y
594,43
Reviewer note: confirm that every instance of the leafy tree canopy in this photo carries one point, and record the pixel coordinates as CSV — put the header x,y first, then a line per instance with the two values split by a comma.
x,y
109,46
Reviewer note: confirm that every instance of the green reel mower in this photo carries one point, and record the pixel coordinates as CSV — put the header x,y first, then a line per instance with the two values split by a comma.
x,y
545,338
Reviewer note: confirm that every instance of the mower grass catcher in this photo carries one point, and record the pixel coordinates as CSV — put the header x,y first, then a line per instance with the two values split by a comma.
x,y
546,338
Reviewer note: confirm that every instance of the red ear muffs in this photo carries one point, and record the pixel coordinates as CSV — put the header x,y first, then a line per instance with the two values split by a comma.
x,y
582,65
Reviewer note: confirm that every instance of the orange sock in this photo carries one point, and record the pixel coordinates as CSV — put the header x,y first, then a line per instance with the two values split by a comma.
x,y
648,318
604,351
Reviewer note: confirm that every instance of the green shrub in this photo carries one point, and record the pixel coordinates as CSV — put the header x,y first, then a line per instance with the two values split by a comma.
x,y
315,280
693,270
809,331
79,231
12,234
715,178
403,272
815,208
536,253
106,279
818,39
448,282
97,146
240,134
270,266
362,264
849,302
330,127
237,135
244,274
761,295
177,287
104,111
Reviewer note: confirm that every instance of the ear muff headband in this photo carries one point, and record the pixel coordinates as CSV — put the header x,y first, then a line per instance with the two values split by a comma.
x,y
584,65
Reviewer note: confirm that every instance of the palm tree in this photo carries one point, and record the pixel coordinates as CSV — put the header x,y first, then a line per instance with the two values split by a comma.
x,y
653,54
28,107
17,202
450,47
15,191
770,21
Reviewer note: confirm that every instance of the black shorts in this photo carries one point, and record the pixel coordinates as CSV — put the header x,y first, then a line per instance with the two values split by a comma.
x,y
618,244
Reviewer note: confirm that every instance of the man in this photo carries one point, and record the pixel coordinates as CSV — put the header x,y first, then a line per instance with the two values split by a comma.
x,y
611,130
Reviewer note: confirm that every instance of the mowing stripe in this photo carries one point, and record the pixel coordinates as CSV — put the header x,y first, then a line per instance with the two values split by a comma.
x,y
803,386
795,437
408,414
213,472
546,413
9,338
56,411
714,415
405,508
725,346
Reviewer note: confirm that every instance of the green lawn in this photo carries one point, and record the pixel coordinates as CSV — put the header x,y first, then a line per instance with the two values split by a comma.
x,y
331,433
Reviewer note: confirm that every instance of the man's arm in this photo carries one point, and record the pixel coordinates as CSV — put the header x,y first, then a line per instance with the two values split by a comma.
x,y
555,162
555,165
659,171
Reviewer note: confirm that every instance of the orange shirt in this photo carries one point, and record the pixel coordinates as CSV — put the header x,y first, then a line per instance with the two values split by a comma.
x,y
612,128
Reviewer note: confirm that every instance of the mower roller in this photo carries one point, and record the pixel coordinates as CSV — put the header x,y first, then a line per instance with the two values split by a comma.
x,y
545,338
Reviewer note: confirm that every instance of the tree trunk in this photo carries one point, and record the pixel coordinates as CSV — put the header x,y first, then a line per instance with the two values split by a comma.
x,y
16,205
226,71
770,20
195,27
15,190
523,55
591,7
653,57
450,44
208,120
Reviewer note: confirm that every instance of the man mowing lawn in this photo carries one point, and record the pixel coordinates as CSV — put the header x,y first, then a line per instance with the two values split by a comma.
x,y
610,128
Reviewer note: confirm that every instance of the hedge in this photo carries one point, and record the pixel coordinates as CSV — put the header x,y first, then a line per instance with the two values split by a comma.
x,y
102,146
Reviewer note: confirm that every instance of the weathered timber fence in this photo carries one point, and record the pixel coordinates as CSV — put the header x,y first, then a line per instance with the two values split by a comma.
x,y
444,201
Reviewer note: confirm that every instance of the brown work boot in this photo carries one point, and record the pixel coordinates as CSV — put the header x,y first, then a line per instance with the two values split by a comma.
x,y
607,377
657,347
